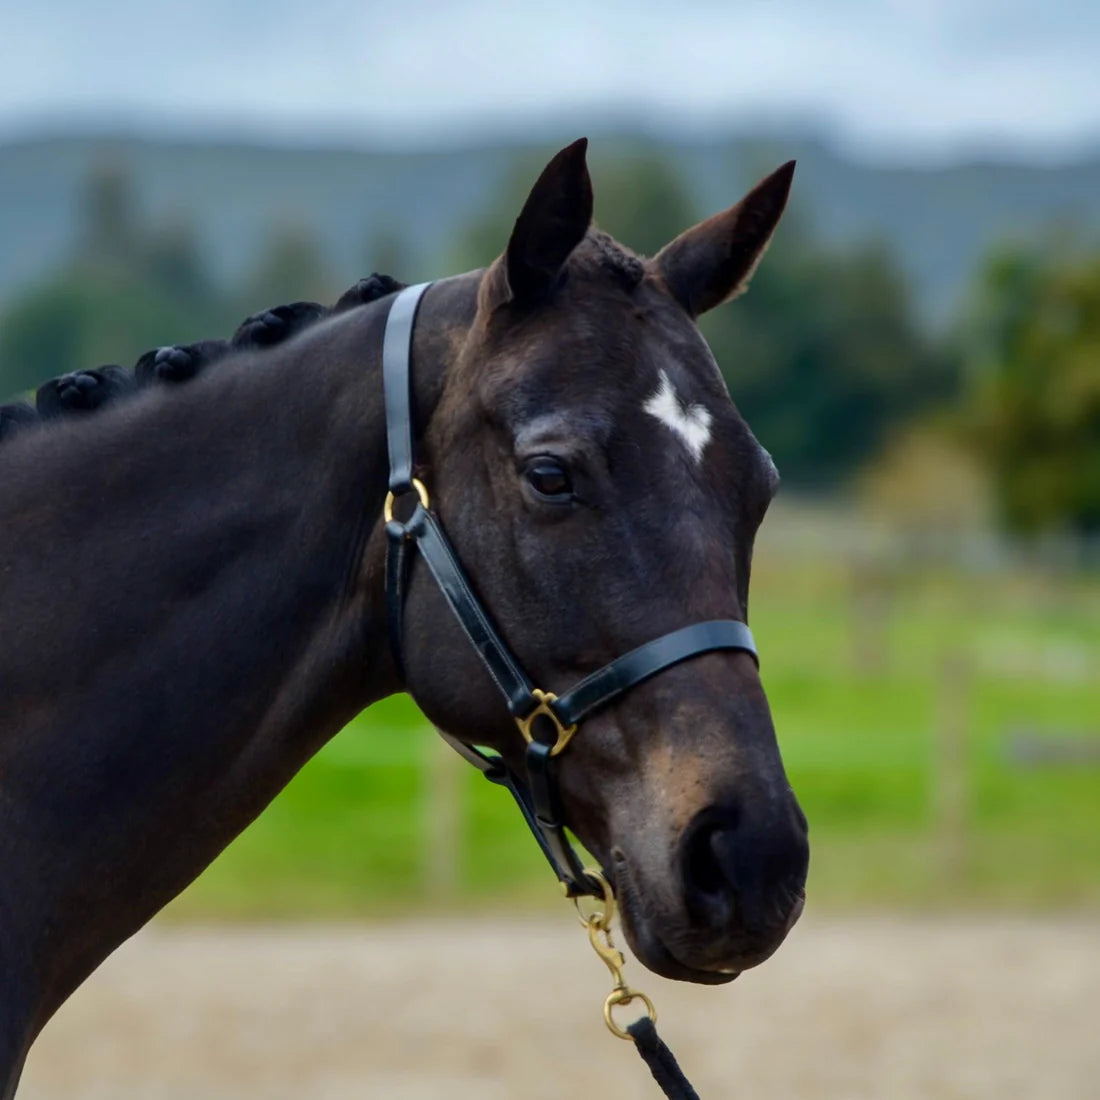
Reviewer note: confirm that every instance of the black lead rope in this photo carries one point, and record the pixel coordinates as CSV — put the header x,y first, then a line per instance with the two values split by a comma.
x,y
661,1061
546,721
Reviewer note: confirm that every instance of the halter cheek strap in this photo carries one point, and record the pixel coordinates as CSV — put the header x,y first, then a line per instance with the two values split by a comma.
x,y
546,722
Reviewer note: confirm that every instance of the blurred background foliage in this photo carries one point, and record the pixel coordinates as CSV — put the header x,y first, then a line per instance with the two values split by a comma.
x,y
926,593
1036,390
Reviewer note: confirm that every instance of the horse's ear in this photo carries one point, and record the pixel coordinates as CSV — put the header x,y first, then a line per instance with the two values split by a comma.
x,y
714,260
553,222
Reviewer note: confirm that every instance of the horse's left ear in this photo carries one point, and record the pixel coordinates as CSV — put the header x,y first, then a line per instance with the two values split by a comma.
x,y
553,222
713,261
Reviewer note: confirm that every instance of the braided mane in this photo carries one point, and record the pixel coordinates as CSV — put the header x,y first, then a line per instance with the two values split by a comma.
x,y
84,391
601,251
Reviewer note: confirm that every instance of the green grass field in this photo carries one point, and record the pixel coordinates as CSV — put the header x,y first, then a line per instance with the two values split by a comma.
x,y
860,700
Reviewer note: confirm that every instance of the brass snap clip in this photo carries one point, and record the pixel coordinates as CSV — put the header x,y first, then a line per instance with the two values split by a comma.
x,y
544,709
598,924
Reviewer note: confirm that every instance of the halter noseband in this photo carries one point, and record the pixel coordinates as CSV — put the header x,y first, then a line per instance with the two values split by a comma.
x,y
546,721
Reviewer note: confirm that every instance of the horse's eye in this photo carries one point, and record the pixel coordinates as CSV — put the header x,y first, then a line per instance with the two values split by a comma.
x,y
549,478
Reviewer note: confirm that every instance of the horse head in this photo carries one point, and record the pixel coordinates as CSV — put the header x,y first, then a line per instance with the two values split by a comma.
x,y
601,489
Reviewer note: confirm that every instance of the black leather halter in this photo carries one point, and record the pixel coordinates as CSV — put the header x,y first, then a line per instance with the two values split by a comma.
x,y
546,721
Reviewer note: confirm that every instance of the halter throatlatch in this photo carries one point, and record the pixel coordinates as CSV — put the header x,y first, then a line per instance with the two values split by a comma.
x,y
547,722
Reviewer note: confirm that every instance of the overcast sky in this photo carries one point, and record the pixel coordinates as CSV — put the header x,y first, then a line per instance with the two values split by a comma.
x,y
889,77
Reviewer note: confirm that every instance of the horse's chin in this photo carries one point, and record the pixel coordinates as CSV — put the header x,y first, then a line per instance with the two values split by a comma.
x,y
648,947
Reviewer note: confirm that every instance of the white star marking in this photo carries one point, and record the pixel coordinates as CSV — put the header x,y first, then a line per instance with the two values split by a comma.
x,y
691,424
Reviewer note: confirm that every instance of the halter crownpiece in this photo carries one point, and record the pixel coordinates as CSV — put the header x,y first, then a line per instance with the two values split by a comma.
x,y
546,721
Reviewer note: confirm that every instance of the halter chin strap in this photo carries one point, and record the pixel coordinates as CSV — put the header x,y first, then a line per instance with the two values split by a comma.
x,y
546,721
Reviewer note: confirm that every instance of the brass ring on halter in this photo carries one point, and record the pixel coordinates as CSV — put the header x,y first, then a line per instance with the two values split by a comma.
x,y
624,996
565,733
421,492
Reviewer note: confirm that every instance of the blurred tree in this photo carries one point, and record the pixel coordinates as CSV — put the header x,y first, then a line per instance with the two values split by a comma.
x,y
486,236
125,289
927,482
73,322
1035,389
109,231
641,201
291,268
172,257
387,252
825,358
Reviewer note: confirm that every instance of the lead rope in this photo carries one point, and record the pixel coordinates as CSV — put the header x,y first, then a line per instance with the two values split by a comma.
x,y
643,1032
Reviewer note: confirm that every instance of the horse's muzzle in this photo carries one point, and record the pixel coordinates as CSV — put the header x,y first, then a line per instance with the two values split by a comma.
x,y
740,889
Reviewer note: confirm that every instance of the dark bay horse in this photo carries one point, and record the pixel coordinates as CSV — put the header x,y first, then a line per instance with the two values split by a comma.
x,y
191,595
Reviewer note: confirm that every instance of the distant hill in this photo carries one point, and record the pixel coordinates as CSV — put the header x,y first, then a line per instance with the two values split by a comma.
x,y
940,221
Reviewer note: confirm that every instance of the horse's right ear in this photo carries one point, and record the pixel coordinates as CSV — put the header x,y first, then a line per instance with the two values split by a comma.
x,y
714,260
553,222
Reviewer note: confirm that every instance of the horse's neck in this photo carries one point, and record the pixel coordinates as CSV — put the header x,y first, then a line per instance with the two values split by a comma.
x,y
191,603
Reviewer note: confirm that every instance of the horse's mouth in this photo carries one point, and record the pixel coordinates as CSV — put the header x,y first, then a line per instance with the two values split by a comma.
x,y
650,950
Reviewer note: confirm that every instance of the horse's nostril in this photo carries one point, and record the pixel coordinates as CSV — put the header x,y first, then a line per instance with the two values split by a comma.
x,y
704,873
707,880
745,873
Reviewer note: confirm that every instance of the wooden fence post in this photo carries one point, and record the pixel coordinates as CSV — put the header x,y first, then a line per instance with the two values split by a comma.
x,y
951,771
871,586
442,821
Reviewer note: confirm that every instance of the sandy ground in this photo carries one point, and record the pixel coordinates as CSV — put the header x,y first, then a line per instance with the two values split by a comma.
x,y
849,1008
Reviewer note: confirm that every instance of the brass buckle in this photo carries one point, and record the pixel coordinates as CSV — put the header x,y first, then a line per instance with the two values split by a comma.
x,y
421,492
565,733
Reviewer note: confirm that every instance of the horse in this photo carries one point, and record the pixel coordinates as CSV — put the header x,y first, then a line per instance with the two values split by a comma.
x,y
192,594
